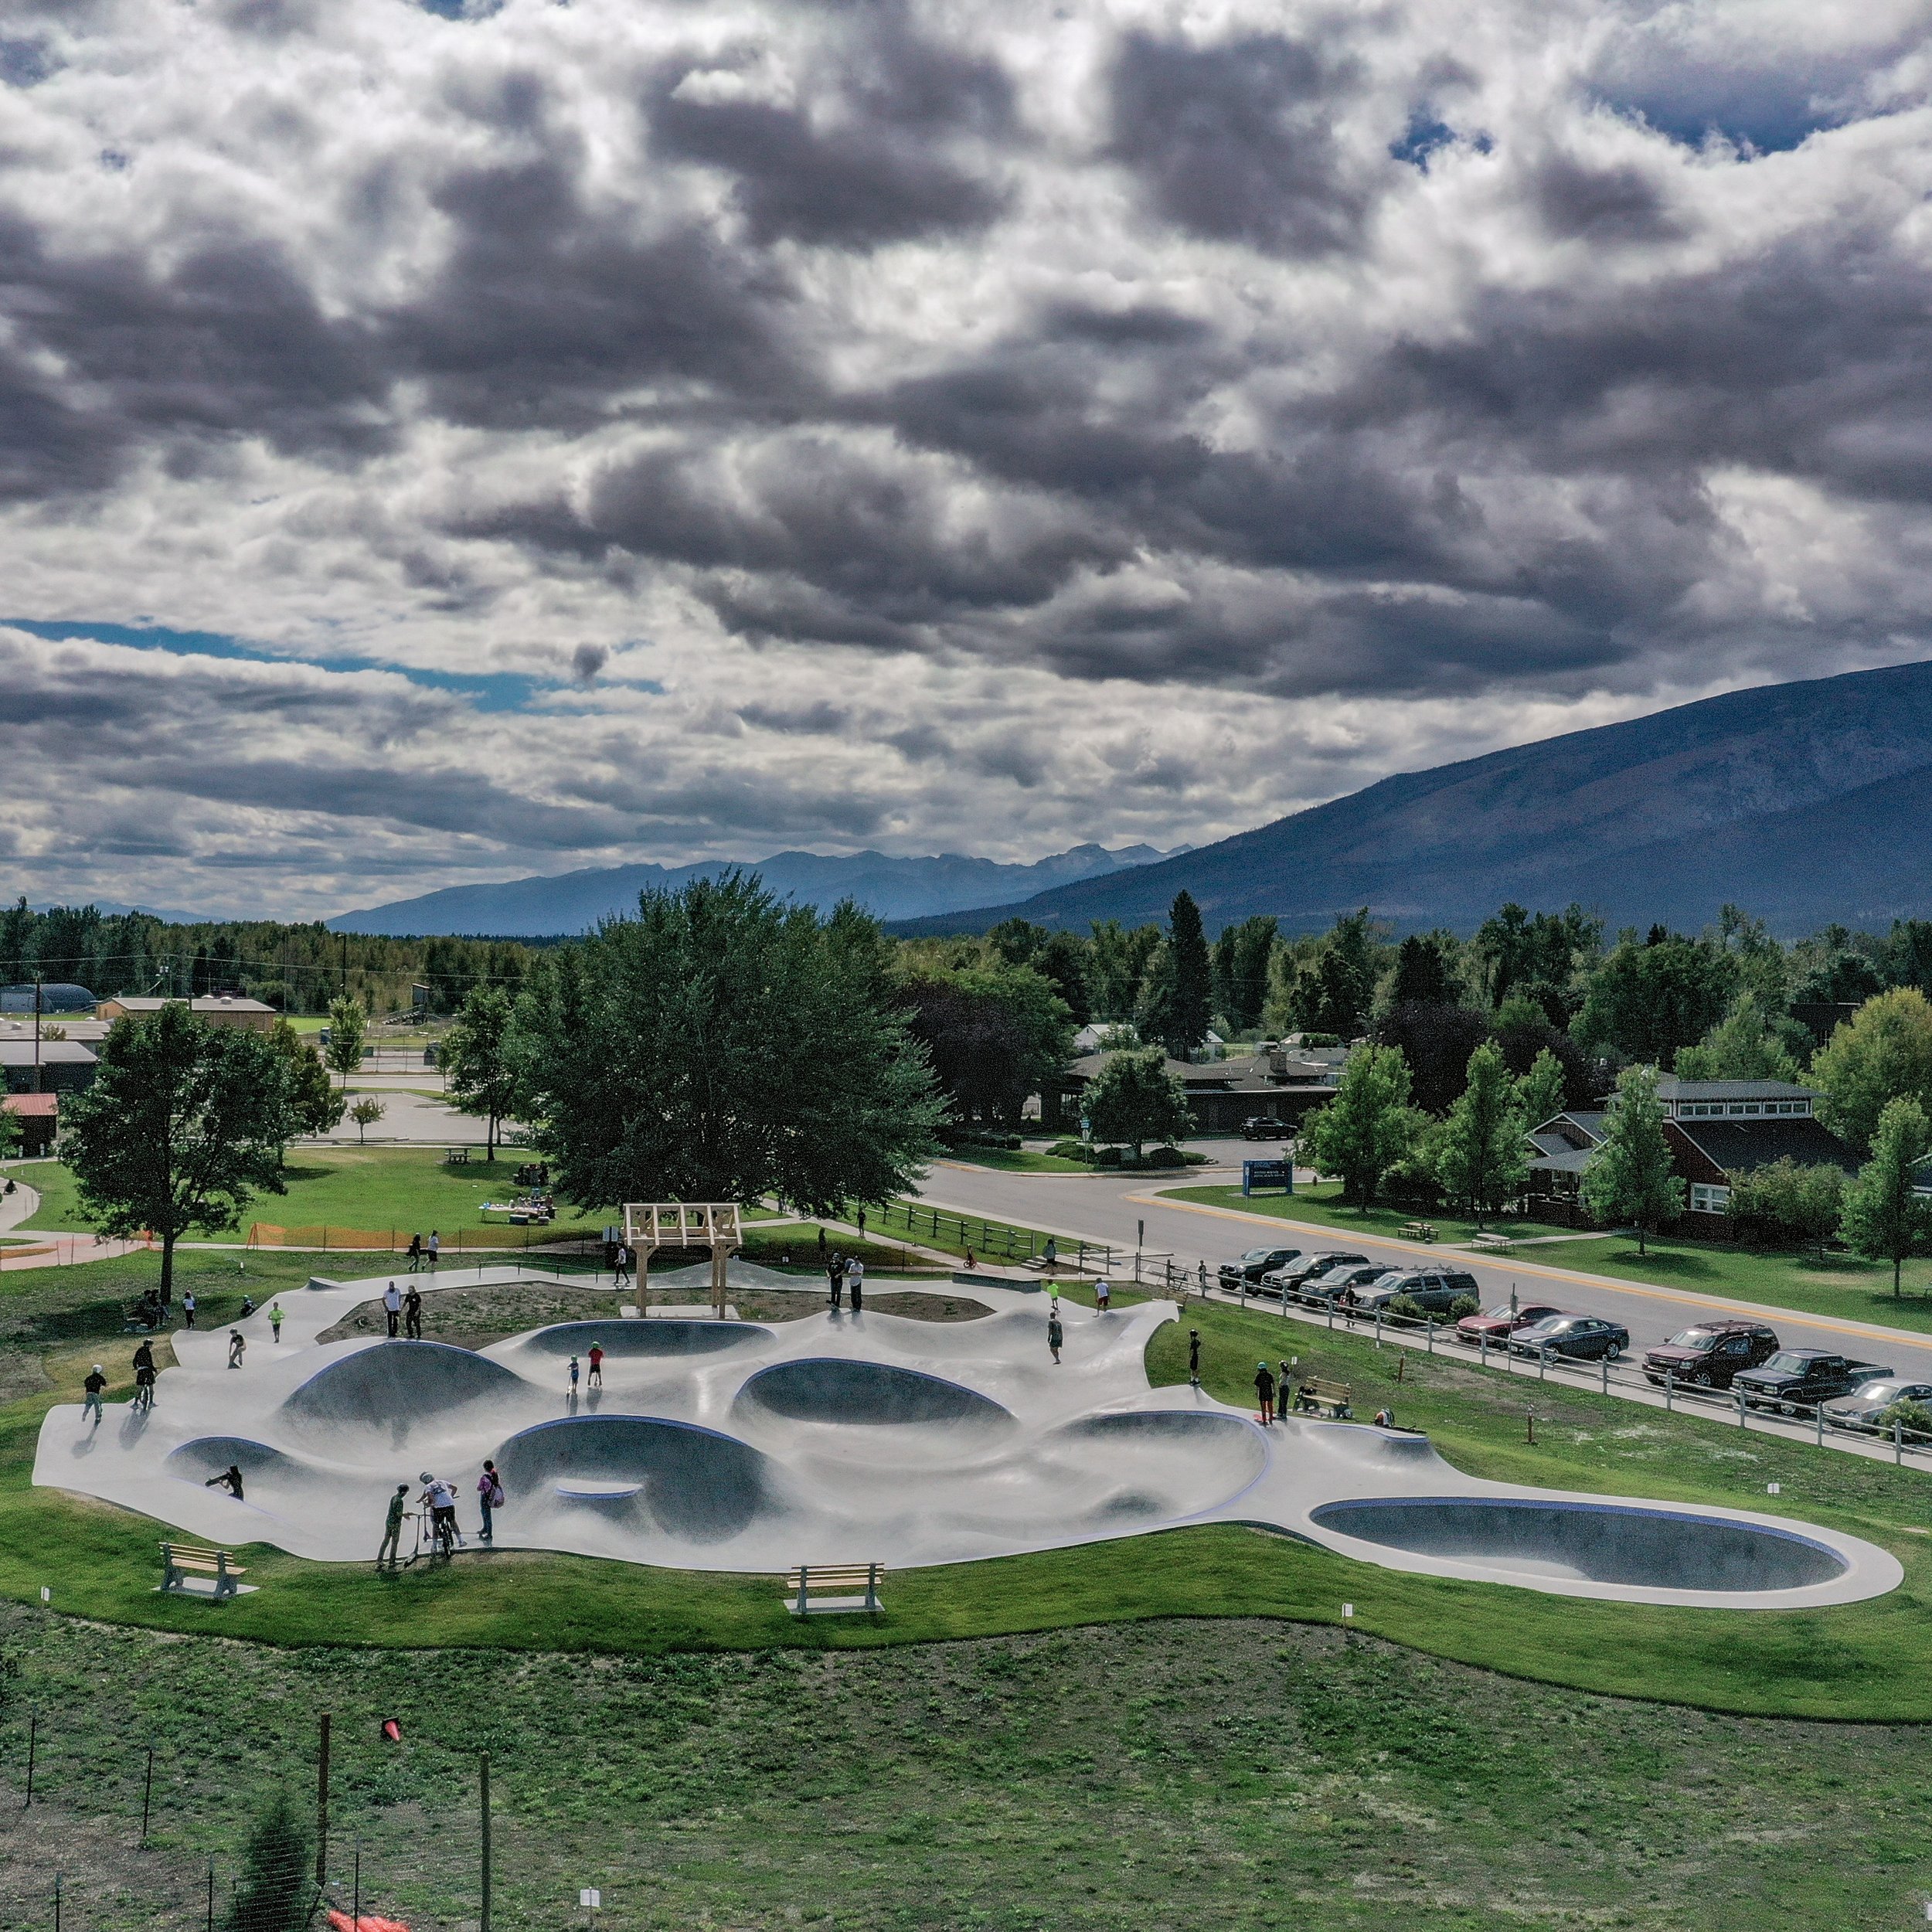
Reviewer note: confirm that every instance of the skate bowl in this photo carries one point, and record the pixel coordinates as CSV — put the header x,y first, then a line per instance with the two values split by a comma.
x,y
396,1388
268,1474
867,1395
624,1340
691,1484
1623,1544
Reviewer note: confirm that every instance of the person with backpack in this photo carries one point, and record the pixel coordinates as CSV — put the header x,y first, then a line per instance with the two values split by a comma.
x,y
489,1496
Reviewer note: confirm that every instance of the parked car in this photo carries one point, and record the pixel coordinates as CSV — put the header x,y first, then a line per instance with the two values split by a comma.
x,y
1255,1264
1259,1128
1865,1408
1319,1290
1797,1378
1574,1338
1500,1323
1289,1280
1433,1291
1708,1355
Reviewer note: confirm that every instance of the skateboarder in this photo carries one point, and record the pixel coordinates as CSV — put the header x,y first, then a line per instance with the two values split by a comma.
x,y
1102,1294
413,1313
230,1479
1194,1358
597,1369
1056,1334
96,1386
392,1308
237,1347
393,1525
1264,1390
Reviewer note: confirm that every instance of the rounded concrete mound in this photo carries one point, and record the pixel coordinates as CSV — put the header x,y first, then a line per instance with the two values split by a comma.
x,y
826,1389
661,1335
266,1471
394,1386
1618,1543
691,1483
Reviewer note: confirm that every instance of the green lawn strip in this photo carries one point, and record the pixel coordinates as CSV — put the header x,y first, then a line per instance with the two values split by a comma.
x,y
987,1240
1322,1205
1007,1159
1867,1660
1841,1286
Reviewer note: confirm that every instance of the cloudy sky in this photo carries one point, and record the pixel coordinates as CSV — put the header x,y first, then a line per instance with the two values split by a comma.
x,y
450,441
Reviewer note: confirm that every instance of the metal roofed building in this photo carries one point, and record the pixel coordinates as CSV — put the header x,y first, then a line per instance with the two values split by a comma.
x,y
218,1009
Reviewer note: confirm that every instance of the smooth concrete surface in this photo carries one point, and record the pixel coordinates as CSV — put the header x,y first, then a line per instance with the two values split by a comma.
x,y
838,1438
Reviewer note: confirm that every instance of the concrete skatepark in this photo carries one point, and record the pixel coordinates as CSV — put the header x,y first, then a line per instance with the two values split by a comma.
x,y
835,1438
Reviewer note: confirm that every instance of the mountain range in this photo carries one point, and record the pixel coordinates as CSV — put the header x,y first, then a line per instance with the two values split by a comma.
x,y
1805,803
895,889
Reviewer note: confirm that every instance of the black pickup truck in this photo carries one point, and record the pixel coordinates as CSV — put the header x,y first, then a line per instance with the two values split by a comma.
x,y
1797,1378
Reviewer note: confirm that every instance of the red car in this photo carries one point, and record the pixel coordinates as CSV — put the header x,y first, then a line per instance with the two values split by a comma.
x,y
1499,1323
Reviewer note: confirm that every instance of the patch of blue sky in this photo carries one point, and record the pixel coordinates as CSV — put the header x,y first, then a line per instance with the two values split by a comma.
x,y
487,690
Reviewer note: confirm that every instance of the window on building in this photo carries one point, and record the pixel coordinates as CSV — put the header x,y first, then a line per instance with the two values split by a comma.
x,y
1706,1199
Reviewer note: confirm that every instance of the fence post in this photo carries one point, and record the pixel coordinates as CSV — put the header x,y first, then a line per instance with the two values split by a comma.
x,y
1739,1394
322,1805
1429,1323
1605,1360
1898,1439
484,1799
33,1738
146,1794
1542,1360
1817,1417
1378,1324
1670,1384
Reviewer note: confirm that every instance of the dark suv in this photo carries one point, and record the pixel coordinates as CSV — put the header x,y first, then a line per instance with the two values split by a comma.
x,y
1337,1284
1708,1355
1435,1291
1288,1280
1260,1127
1255,1264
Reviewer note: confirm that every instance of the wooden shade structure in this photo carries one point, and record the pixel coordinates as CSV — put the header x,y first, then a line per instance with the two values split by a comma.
x,y
651,1225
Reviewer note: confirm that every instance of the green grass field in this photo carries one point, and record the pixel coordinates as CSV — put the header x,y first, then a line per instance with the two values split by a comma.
x,y
1842,1285
1161,1731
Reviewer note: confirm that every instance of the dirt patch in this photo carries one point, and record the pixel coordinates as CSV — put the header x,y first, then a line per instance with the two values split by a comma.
x,y
474,1318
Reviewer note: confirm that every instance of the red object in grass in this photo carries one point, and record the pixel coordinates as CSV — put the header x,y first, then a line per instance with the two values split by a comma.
x,y
341,1922
391,1730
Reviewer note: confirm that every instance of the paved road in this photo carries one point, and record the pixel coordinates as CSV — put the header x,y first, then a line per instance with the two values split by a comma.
x,y
1106,1208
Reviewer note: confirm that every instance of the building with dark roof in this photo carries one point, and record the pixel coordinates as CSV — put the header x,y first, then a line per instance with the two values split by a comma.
x,y
1716,1128
1279,1083
45,1065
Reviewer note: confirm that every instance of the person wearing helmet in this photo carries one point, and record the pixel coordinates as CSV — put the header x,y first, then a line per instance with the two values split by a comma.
x,y
1264,1389
96,1386
439,1498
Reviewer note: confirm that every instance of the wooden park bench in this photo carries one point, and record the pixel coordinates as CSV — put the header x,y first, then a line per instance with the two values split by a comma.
x,y
810,1583
1318,1397
456,1157
181,1562
1418,1230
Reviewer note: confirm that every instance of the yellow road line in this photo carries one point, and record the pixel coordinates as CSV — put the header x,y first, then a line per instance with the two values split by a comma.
x,y
1647,1290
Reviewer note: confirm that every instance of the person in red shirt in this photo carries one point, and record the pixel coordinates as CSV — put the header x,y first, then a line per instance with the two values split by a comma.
x,y
597,1366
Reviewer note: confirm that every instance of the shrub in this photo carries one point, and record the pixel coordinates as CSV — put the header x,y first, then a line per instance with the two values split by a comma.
x,y
1464,1304
273,1893
1110,1157
1072,1150
1164,1157
1407,1307
1915,1417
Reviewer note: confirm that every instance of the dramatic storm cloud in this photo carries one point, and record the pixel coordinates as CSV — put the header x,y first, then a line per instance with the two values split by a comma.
x,y
457,440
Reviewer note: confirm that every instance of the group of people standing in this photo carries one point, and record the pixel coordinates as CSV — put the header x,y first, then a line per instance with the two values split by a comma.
x,y
403,1309
436,1508
845,1277
418,1252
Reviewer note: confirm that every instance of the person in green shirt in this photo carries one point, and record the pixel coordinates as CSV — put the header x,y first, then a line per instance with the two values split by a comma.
x,y
275,1318
392,1527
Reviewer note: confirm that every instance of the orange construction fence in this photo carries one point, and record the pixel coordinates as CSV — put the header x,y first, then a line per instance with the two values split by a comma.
x,y
265,1234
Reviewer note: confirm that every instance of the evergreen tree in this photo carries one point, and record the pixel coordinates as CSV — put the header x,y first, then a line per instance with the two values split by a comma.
x,y
1631,1176
475,1060
1539,1093
1367,1128
1134,1098
1424,976
1188,1012
273,1892
184,1123
1885,1219
1479,1155
348,1029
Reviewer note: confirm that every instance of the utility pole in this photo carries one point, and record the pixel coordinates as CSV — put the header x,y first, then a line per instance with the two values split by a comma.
x,y
36,1030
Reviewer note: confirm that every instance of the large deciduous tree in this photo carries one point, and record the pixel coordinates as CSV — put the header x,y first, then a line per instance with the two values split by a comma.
x,y
1649,999
184,1124
1885,1219
1631,1177
1368,1128
317,1105
475,1060
1479,1154
1883,1053
993,1035
719,1046
348,1030
1134,1098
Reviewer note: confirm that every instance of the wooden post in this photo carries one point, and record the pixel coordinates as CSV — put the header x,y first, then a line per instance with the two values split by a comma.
x,y
719,1255
483,1799
322,1805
